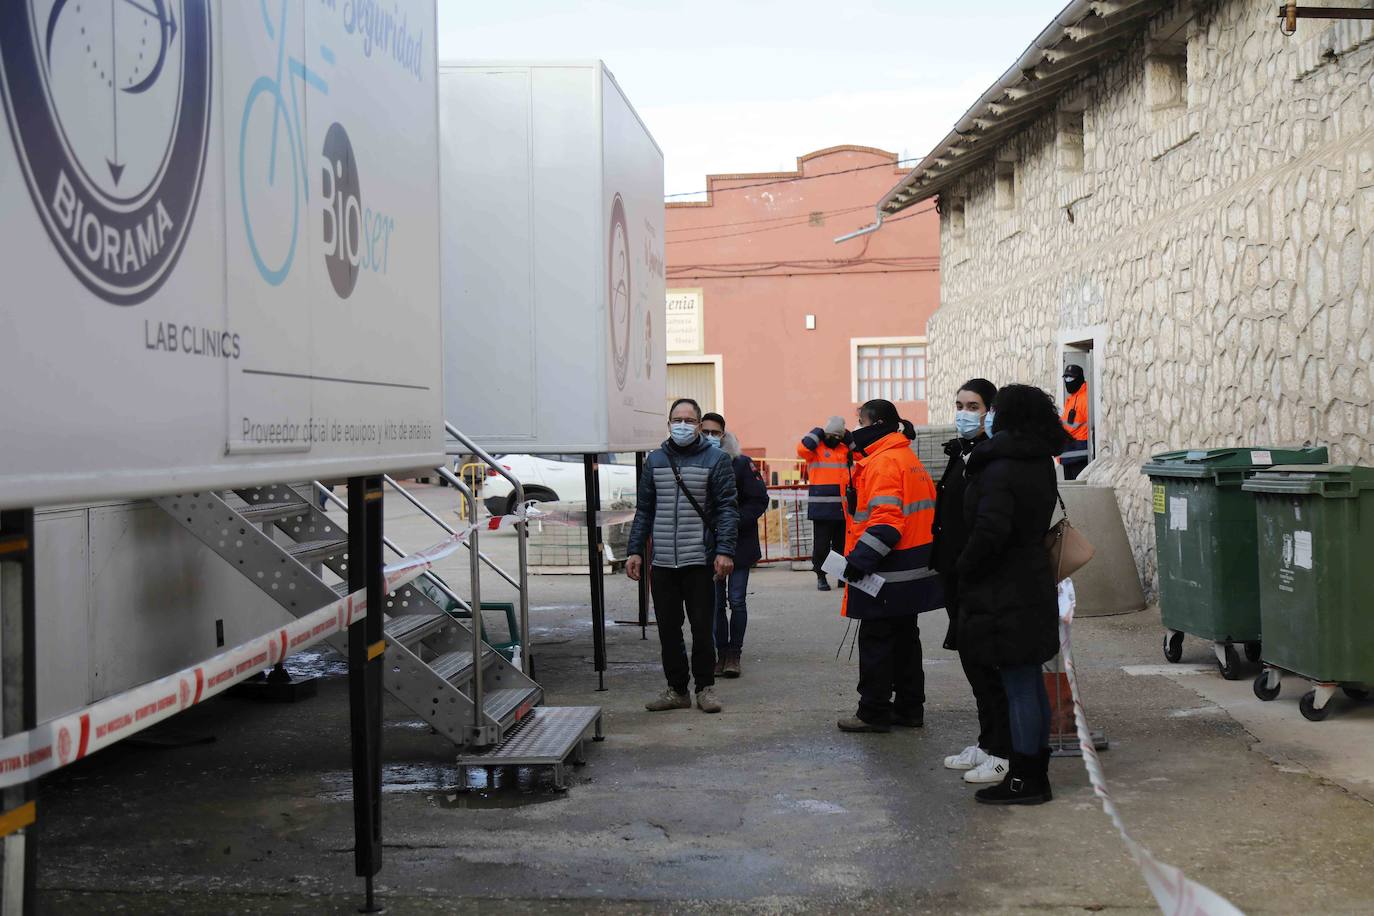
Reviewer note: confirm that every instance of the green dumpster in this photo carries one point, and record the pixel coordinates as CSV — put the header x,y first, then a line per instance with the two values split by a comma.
x,y
1205,541
1316,575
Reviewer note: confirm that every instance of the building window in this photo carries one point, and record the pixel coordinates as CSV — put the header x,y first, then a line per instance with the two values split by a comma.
x,y
1068,143
891,371
1006,185
1166,77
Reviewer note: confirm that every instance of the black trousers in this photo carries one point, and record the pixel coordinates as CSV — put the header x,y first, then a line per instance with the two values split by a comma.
x,y
1073,467
826,536
891,680
686,594
994,720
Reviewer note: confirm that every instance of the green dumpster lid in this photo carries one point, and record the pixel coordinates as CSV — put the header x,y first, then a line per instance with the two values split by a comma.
x,y
1330,480
1206,462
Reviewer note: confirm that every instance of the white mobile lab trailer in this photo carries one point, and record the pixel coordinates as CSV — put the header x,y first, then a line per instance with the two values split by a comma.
x,y
207,287
553,284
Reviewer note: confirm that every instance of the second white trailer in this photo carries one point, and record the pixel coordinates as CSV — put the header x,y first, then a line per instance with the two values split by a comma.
x,y
552,236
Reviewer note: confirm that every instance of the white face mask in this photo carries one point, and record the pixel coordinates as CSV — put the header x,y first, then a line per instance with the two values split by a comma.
x,y
683,433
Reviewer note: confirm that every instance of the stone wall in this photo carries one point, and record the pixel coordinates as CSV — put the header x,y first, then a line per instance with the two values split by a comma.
x,y
1222,249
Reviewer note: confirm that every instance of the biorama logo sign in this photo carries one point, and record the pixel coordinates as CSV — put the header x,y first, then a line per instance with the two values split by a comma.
x,y
109,108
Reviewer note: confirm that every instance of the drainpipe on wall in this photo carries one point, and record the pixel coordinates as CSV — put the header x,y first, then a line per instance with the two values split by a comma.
x,y
878,224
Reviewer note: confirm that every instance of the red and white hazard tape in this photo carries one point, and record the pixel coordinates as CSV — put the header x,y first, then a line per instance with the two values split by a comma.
x,y
68,738
1174,891
568,518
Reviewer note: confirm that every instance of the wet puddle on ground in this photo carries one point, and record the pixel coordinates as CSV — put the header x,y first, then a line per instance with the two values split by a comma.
x,y
499,787
316,663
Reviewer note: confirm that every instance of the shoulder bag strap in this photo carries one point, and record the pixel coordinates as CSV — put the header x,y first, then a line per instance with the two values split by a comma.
x,y
677,475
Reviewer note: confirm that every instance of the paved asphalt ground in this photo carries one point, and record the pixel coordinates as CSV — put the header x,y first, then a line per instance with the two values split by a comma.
x,y
764,808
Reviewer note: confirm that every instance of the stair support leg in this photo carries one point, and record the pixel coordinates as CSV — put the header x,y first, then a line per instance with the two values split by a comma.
x,y
18,704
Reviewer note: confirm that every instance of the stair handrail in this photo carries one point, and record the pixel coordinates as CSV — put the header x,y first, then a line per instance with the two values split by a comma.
x,y
448,475
432,576
520,528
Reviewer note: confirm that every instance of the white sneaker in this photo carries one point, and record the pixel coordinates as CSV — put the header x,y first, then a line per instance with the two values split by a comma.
x,y
966,759
992,769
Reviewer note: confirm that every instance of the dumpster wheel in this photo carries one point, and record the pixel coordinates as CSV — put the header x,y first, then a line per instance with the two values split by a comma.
x,y
1228,660
1263,689
1310,710
1356,693
1173,646
1253,650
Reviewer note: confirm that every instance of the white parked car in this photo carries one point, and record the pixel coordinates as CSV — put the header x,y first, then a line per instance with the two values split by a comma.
x,y
555,478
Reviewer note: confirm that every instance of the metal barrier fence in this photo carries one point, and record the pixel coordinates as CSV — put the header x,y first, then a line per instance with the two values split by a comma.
x,y
472,474
784,531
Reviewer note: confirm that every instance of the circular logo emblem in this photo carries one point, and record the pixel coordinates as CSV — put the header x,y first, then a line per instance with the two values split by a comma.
x,y
108,102
618,293
341,196
64,745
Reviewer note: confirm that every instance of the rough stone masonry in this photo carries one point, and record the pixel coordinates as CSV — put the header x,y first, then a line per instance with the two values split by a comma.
x,y
1203,206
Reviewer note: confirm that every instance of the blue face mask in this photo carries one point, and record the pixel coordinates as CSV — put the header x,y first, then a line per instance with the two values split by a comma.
x,y
968,423
683,433
987,422
711,439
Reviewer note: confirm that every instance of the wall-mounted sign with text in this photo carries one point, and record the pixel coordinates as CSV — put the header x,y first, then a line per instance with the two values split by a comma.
x,y
686,322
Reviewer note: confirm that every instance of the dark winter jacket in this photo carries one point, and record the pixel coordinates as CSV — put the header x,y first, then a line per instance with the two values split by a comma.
x,y
680,536
949,530
1008,612
753,502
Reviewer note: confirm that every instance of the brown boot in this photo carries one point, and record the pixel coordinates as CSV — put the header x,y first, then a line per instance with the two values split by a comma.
x,y
720,663
731,668
855,724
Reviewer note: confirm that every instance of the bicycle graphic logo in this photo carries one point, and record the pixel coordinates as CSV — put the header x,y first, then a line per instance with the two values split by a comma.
x,y
276,129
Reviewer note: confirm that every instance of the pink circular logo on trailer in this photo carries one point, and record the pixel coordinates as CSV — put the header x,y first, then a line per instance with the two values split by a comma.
x,y
64,745
618,290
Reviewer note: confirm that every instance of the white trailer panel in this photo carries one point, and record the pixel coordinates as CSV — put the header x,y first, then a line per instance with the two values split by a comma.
x,y
553,282
219,233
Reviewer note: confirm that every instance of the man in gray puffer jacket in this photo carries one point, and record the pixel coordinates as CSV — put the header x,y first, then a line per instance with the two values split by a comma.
x,y
687,504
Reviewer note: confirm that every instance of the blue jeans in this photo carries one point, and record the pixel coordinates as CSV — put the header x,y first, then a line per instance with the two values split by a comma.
x,y
1028,708
730,625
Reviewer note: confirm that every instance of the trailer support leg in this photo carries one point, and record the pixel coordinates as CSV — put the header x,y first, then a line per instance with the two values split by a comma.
x,y
595,553
18,706
365,651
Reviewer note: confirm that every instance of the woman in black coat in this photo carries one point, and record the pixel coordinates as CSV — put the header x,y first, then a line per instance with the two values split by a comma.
x,y
986,760
1008,609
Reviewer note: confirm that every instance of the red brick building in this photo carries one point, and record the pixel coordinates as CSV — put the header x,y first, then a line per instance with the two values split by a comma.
x,y
778,327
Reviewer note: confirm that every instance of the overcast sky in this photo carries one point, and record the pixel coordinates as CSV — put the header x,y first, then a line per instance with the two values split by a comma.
x,y
749,85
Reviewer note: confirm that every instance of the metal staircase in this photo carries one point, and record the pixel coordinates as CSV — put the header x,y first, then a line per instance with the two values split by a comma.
x,y
437,662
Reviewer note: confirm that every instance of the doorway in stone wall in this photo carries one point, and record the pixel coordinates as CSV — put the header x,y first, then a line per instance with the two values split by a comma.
x,y
1081,348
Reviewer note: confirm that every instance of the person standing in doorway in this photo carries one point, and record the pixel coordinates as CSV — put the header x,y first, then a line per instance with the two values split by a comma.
x,y
687,503
891,508
1008,609
732,612
826,452
986,760
1075,420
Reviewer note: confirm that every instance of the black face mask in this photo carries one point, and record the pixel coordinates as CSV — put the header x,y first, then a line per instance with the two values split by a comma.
x,y
833,441
865,436
1071,384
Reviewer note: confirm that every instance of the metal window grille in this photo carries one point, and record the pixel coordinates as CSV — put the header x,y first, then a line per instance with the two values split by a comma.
x,y
893,372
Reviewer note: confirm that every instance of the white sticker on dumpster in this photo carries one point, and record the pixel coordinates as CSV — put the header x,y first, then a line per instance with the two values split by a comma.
x,y
1178,513
1261,458
1302,549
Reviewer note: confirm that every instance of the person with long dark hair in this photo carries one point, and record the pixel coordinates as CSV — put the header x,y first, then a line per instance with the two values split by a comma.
x,y
890,505
987,759
1008,612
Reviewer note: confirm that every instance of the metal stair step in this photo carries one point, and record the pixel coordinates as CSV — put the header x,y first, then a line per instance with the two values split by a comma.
x,y
549,736
317,550
456,667
268,512
414,628
504,705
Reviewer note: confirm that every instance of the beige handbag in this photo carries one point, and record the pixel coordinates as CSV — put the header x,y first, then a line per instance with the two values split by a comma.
x,y
1069,550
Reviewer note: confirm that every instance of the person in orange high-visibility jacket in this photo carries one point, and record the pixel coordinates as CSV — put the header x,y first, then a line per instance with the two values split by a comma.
x,y
890,506
826,453
1075,420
